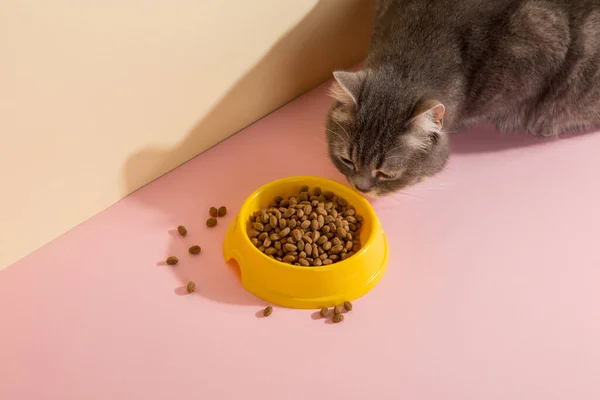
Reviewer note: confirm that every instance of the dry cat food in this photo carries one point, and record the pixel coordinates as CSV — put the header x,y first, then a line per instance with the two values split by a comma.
x,y
195,249
211,222
222,211
324,311
337,310
191,286
268,311
312,229
172,260
347,306
337,318
182,231
213,212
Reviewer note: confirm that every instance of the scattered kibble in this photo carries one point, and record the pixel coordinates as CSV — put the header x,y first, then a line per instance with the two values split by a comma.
x,y
213,212
172,260
195,249
222,211
182,231
211,222
324,312
337,310
347,306
315,228
268,311
191,286
338,318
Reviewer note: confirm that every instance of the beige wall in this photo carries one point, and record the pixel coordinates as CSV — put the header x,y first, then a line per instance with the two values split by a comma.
x,y
97,98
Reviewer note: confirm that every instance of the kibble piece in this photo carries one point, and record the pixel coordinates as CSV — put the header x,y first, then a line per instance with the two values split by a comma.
x,y
182,231
222,211
347,306
303,262
268,311
297,234
284,232
263,236
338,318
195,249
289,247
211,222
191,286
337,249
337,310
172,260
213,212
253,233
324,312
290,258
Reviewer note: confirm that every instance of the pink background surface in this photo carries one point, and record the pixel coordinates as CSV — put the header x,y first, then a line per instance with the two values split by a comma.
x,y
491,292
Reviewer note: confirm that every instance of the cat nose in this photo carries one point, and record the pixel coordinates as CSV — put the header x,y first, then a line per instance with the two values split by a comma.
x,y
364,189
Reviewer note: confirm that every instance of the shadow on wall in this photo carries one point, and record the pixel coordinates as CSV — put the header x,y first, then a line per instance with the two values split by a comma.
x,y
330,28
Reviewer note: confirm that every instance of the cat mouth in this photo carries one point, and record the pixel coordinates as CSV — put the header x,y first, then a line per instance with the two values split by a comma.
x,y
370,194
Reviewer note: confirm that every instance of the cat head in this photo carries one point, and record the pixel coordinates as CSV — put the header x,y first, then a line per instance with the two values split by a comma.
x,y
381,139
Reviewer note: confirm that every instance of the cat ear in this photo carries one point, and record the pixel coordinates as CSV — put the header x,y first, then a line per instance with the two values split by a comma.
x,y
429,116
346,86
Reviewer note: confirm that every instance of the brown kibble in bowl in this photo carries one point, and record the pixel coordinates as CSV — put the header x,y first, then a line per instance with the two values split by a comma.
x,y
324,311
338,318
182,231
222,211
195,249
172,260
268,311
191,286
211,222
308,229
347,306
213,212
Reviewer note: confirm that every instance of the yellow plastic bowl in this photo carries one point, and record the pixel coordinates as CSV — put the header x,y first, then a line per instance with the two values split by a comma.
x,y
307,287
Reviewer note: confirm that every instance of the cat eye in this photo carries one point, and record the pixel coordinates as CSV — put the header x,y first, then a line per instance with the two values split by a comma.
x,y
347,162
383,176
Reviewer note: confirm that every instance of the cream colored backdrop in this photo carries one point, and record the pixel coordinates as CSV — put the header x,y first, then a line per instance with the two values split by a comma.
x,y
98,98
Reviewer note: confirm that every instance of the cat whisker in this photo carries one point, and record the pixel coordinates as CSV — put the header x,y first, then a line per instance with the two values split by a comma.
x,y
395,157
338,124
337,134
395,148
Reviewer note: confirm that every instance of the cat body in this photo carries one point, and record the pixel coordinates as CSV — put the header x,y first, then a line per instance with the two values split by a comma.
x,y
436,66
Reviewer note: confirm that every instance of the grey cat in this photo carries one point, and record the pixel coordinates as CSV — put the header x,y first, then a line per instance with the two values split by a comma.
x,y
435,66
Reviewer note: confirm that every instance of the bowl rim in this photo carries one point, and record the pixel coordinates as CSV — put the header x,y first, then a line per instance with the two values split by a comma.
x,y
357,197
